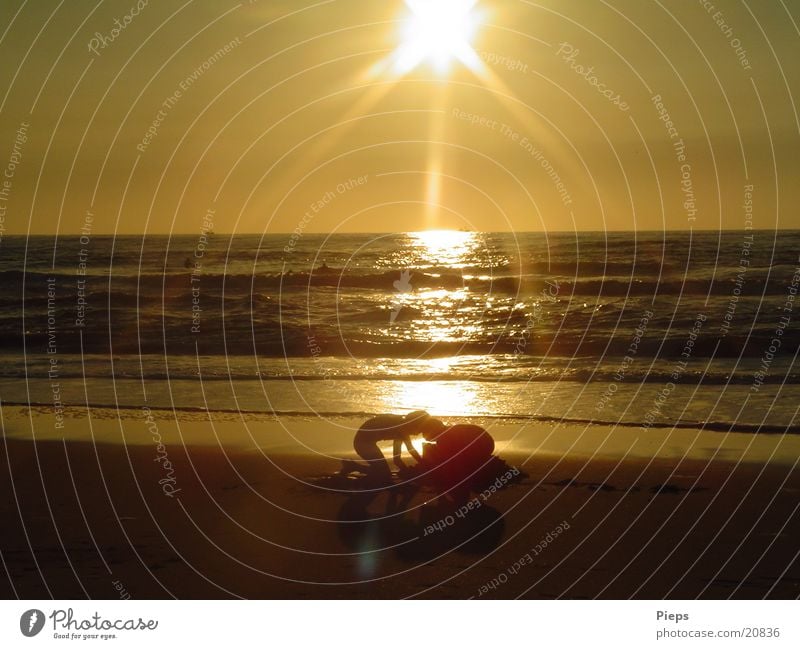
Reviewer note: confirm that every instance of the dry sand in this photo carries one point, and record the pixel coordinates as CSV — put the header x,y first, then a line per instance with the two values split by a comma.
x,y
649,514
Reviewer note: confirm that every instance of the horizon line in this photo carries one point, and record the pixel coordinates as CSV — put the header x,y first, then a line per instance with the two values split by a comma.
x,y
291,232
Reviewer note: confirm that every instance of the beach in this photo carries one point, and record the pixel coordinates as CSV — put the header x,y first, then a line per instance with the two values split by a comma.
x,y
140,503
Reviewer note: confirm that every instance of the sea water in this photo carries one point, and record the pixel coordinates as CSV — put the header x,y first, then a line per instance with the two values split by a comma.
x,y
647,329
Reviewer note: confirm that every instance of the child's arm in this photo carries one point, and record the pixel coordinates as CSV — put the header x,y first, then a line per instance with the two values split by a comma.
x,y
412,451
397,452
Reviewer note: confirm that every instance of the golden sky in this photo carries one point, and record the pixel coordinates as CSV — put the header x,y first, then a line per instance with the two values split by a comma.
x,y
355,115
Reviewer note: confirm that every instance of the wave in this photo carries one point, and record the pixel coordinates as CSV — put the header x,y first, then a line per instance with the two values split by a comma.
x,y
269,339
551,376
128,289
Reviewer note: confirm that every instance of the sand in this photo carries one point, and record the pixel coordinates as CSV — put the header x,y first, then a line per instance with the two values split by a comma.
x,y
150,504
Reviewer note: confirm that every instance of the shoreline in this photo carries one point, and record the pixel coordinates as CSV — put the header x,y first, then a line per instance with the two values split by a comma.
x,y
708,426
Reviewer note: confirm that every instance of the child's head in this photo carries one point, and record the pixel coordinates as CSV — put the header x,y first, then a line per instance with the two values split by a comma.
x,y
431,428
414,421
416,418
420,422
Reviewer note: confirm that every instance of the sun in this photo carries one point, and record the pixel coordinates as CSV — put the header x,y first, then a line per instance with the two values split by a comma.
x,y
437,32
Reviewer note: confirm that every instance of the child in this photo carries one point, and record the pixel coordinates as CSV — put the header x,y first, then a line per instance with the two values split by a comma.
x,y
382,428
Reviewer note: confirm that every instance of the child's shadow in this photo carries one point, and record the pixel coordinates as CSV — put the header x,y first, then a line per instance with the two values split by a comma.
x,y
380,521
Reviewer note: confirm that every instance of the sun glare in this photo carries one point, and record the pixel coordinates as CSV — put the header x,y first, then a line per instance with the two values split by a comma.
x,y
438,32
440,398
445,246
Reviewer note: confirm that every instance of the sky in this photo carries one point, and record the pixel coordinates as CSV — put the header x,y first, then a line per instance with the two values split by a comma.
x,y
272,116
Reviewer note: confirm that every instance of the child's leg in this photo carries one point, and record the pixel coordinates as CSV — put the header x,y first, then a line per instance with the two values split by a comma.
x,y
351,466
377,466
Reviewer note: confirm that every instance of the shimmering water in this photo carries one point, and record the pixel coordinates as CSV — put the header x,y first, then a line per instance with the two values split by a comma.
x,y
645,327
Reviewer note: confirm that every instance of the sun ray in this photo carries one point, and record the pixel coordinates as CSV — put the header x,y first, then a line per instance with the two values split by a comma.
x,y
436,32
433,182
539,133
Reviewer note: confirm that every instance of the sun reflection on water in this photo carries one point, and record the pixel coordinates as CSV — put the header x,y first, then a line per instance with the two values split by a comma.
x,y
440,398
446,247
439,315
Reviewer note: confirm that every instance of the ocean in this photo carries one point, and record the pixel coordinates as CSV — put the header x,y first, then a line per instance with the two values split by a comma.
x,y
644,329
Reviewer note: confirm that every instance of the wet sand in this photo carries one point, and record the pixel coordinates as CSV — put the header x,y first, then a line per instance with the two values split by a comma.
x,y
222,506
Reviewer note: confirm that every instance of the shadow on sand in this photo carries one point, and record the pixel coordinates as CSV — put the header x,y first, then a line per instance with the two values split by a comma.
x,y
422,530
